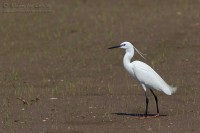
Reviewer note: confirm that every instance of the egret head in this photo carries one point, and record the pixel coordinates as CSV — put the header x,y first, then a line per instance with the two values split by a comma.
x,y
128,47
124,45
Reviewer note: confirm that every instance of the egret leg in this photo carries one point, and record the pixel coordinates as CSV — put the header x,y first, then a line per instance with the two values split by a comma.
x,y
147,99
156,99
147,103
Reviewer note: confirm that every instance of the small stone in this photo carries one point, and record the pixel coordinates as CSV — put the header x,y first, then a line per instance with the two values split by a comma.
x,y
53,98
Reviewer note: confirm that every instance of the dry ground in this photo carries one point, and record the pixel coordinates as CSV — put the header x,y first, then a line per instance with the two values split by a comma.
x,y
56,74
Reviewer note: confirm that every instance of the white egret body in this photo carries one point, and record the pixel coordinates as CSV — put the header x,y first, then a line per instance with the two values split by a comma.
x,y
147,77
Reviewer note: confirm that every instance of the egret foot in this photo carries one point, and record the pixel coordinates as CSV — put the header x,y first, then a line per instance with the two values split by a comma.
x,y
157,115
147,116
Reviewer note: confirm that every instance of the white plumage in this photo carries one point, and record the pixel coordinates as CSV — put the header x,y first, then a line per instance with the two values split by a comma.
x,y
147,77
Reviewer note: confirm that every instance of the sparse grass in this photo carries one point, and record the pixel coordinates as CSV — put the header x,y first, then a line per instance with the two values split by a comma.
x,y
6,116
63,54
161,56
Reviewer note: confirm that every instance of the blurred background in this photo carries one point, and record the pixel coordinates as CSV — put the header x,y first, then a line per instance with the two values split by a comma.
x,y
59,49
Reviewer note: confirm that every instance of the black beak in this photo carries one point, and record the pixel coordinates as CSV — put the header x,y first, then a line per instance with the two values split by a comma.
x,y
114,47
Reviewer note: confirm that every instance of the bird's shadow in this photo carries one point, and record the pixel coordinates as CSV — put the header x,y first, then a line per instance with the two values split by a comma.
x,y
136,115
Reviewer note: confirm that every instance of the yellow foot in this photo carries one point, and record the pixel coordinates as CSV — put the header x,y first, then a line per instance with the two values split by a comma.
x,y
148,116
157,115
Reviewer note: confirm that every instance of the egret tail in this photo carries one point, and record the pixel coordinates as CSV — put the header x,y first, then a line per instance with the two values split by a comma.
x,y
162,85
167,89
172,90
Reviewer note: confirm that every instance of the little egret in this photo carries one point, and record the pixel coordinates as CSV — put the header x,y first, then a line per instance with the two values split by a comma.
x,y
147,77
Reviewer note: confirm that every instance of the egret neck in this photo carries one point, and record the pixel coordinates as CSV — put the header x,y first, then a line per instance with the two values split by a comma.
x,y
127,60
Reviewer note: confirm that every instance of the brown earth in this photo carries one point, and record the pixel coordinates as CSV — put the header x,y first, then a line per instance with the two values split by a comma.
x,y
56,74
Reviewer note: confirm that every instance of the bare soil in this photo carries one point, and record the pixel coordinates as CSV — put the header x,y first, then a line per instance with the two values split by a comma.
x,y
57,75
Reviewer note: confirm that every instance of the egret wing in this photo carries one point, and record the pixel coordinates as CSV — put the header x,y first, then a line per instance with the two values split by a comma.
x,y
146,75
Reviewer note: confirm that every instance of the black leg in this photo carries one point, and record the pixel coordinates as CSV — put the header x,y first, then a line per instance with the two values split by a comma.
x,y
156,99
147,103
